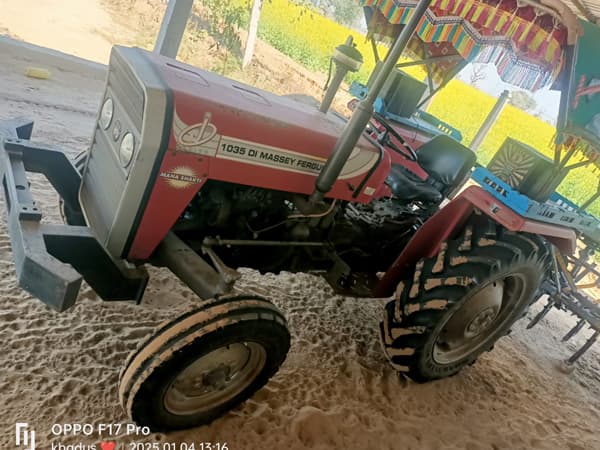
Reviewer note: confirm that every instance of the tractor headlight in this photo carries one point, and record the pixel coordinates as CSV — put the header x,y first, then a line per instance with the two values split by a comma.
x,y
106,114
126,149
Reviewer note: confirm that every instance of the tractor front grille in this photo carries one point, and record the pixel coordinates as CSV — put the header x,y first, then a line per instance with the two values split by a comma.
x,y
105,178
126,89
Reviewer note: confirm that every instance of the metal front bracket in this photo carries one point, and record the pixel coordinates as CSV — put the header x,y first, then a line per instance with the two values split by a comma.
x,y
51,260
41,274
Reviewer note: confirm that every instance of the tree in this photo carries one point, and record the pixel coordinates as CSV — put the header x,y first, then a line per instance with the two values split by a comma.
x,y
522,100
477,73
225,18
345,12
342,11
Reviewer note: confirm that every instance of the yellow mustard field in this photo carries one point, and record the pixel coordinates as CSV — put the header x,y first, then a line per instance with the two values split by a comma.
x,y
465,107
310,38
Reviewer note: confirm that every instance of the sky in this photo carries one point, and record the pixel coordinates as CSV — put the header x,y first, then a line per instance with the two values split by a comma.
x,y
547,100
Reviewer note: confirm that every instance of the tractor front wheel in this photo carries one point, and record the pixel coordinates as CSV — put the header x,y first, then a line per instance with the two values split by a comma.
x,y
461,301
204,363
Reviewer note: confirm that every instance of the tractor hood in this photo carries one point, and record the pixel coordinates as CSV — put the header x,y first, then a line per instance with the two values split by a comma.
x,y
217,117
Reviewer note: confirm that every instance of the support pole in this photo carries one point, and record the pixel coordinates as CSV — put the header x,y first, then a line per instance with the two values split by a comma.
x,y
489,121
252,32
363,112
173,27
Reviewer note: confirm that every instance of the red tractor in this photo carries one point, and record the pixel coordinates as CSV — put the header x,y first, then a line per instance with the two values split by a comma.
x,y
201,174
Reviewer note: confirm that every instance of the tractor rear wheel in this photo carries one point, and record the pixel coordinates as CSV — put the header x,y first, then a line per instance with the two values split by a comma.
x,y
461,301
204,363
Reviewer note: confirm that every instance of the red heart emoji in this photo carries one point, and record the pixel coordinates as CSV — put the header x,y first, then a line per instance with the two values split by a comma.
x,y
108,445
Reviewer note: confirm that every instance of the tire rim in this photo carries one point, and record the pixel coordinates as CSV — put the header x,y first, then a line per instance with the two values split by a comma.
x,y
485,312
215,378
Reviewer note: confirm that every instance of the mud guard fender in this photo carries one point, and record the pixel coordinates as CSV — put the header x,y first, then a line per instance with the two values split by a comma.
x,y
449,220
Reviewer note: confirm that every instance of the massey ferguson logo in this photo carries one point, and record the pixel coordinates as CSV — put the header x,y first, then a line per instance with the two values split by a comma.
x,y
197,138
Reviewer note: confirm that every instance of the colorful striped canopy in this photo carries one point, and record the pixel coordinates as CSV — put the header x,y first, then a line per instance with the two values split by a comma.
x,y
524,42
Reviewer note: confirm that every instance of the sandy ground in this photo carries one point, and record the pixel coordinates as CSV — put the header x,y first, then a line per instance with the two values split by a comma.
x,y
335,389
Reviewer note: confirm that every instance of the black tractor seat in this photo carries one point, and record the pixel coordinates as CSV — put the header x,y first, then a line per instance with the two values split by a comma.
x,y
408,187
446,161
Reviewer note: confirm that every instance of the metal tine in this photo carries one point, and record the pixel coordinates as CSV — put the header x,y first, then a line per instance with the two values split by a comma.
x,y
576,329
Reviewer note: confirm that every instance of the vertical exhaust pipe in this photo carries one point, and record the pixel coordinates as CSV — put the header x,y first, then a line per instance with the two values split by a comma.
x,y
363,112
347,59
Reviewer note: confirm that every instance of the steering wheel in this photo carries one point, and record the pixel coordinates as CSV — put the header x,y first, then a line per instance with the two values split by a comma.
x,y
386,141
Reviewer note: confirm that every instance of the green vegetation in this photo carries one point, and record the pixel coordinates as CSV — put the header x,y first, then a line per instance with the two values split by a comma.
x,y
224,18
309,38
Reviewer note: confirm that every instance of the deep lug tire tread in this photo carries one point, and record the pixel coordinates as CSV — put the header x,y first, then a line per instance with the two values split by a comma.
x,y
482,250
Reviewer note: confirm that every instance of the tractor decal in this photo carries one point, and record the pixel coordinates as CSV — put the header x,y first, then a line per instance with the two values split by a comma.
x,y
181,177
266,156
359,163
200,138
203,139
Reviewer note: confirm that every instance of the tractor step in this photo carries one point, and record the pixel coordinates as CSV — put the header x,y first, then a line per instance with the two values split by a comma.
x,y
51,260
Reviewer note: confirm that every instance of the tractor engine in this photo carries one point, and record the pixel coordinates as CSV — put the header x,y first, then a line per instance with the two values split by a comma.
x,y
267,230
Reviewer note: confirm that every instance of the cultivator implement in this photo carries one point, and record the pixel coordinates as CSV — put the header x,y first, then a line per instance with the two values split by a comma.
x,y
567,290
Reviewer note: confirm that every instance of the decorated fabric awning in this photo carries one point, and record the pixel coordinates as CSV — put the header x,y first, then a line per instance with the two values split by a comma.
x,y
524,42
583,110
